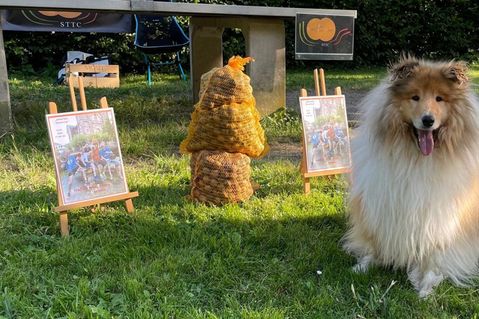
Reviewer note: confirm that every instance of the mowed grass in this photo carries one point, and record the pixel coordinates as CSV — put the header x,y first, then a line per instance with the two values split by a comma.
x,y
356,79
176,259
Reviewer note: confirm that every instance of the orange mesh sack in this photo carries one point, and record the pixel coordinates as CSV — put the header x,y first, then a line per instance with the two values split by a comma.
x,y
225,118
220,177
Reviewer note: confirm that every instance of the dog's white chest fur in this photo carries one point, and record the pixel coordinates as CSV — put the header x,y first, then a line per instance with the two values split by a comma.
x,y
410,205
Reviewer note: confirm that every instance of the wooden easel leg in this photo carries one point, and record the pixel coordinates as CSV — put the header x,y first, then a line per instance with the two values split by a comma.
x,y
129,206
307,185
64,229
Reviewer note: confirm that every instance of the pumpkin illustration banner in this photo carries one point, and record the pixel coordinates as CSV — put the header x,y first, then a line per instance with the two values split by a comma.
x,y
63,21
324,37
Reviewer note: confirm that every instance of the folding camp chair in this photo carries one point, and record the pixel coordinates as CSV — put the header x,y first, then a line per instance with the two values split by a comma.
x,y
157,35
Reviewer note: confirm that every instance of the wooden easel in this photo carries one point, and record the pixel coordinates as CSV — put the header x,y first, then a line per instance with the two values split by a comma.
x,y
62,208
320,90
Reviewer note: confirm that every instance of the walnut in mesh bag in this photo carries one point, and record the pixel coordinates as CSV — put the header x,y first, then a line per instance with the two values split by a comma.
x,y
217,131
226,117
220,177
226,85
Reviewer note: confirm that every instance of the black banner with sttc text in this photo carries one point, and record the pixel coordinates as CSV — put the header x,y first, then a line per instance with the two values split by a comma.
x,y
63,21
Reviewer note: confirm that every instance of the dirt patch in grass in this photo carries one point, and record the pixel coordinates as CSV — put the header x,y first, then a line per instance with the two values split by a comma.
x,y
284,150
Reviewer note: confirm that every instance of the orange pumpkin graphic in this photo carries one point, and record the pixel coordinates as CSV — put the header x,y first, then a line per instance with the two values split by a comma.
x,y
67,15
321,29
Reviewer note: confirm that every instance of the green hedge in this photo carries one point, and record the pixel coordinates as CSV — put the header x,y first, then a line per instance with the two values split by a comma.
x,y
384,28
41,51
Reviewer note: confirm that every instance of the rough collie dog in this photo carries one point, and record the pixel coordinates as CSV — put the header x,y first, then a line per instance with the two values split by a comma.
x,y
414,199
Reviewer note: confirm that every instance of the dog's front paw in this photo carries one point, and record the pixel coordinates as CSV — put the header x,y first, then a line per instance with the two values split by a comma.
x,y
359,268
424,293
363,264
428,282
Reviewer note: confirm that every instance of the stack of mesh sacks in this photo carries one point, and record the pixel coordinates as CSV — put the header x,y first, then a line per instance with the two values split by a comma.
x,y
223,134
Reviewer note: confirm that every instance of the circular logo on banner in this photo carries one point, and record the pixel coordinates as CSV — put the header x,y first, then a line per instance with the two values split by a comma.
x,y
321,29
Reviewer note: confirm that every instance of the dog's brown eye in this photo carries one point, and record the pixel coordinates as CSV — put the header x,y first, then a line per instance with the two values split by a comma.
x,y
415,98
439,98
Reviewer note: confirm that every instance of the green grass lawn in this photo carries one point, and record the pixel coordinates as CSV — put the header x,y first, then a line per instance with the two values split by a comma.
x,y
176,259
357,79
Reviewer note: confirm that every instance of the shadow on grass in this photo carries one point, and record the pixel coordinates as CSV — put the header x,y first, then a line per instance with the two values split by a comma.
x,y
190,256
28,213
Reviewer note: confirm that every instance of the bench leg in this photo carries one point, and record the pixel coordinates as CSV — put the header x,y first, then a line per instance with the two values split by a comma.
x,y
265,42
206,50
6,124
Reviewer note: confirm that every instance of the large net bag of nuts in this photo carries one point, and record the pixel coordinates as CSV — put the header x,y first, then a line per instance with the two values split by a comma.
x,y
220,177
226,118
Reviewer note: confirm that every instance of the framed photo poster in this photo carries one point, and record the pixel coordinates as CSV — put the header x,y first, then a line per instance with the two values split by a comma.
x,y
87,155
326,135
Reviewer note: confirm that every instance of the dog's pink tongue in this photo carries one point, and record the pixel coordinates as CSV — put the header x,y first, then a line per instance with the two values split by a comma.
x,y
426,141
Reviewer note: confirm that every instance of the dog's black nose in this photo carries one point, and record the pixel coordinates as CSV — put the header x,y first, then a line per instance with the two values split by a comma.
x,y
428,120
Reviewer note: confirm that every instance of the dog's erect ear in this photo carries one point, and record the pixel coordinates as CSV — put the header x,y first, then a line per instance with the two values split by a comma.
x,y
404,68
457,72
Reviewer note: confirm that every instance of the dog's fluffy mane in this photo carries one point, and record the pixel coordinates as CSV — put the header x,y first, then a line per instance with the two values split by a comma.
x,y
410,210
455,136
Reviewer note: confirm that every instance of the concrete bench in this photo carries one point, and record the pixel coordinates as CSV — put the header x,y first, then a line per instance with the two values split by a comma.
x,y
264,33
262,27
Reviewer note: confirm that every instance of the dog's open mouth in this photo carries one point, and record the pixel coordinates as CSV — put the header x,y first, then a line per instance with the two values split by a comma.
x,y
425,140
